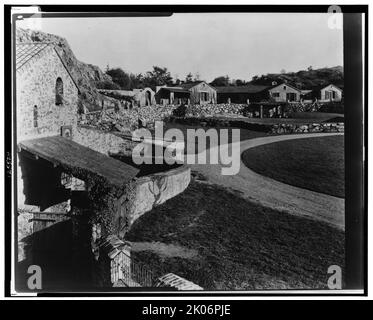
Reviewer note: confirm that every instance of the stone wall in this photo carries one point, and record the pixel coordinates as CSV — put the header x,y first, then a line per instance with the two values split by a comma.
x,y
36,86
213,109
126,120
313,127
280,128
103,142
151,191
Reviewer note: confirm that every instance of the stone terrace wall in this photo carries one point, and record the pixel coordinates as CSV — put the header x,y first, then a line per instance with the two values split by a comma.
x,y
280,128
153,190
313,127
101,141
125,120
213,109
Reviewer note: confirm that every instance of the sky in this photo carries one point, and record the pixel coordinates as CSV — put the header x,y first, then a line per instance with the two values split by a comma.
x,y
240,45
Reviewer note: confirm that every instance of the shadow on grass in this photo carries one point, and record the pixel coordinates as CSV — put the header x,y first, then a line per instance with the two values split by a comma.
x,y
241,245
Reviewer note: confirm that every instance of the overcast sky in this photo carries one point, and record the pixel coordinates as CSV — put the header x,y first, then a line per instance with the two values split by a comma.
x,y
240,45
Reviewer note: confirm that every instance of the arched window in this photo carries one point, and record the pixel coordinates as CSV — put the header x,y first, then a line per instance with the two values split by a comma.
x,y
59,91
35,116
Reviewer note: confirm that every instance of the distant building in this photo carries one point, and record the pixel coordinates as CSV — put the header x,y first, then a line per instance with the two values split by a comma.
x,y
285,93
187,93
140,97
242,94
331,93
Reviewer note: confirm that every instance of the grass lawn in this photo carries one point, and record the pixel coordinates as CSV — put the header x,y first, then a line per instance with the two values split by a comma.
x,y
240,245
315,164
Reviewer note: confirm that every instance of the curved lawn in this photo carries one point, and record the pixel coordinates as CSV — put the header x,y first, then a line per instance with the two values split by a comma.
x,y
315,164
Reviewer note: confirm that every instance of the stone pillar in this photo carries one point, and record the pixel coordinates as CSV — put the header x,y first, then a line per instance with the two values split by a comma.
x,y
261,111
115,262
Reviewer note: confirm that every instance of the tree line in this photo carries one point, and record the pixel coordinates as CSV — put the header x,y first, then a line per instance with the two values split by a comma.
x,y
122,80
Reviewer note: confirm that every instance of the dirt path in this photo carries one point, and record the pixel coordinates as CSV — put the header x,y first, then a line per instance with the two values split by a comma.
x,y
275,194
164,249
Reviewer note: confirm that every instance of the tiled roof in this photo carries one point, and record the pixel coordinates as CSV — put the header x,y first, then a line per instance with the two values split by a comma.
x,y
25,51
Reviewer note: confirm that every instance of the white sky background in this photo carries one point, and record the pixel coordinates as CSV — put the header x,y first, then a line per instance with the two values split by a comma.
x,y
240,45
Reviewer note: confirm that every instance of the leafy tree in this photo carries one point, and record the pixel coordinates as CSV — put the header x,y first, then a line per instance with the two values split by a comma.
x,y
108,85
220,81
121,78
196,77
157,77
189,77
240,82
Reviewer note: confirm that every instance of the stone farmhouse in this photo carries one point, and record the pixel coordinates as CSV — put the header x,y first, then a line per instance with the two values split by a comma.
x,y
65,169
187,93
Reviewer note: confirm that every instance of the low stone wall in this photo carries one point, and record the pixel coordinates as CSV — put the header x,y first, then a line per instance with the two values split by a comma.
x,y
197,110
313,127
222,122
101,141
280,128
150,191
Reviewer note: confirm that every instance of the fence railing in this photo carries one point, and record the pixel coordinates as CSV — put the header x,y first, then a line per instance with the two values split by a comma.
x,y
131,271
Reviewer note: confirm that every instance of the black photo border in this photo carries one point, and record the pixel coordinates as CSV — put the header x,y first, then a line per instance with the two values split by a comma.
x,y
356,134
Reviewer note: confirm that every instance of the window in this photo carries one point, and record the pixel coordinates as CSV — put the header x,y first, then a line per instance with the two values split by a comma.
x,y
59,91
284,87
204,96
291,96
35,116
276,94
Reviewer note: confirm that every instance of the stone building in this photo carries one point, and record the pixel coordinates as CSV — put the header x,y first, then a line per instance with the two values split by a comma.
x,y
64,170
46,94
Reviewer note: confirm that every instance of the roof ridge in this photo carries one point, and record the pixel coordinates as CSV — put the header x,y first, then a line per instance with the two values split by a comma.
x,y
33,42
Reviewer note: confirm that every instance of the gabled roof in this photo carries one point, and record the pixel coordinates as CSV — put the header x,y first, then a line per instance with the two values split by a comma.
x,y
174,89
189,85
331,84
185,87
251,88
284,84
26,51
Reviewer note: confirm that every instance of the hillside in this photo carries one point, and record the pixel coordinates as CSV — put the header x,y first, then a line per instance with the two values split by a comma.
x,y
305,79
87,76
